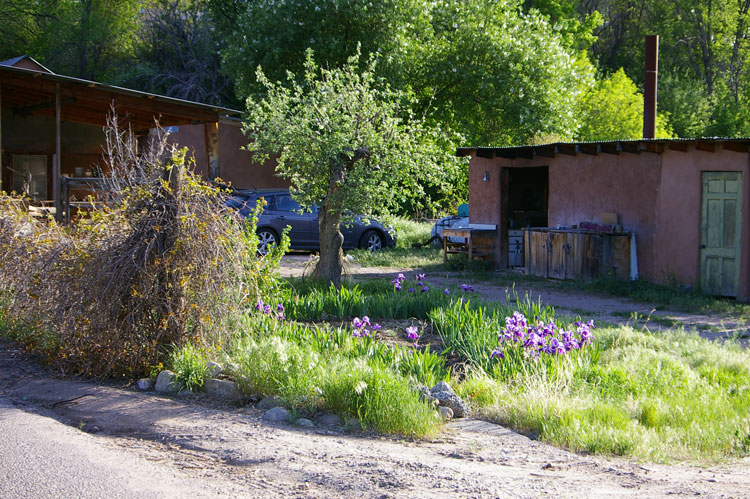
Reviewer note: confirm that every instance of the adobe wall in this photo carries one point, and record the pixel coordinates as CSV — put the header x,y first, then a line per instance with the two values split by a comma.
x,y
677,254
235,164
581,188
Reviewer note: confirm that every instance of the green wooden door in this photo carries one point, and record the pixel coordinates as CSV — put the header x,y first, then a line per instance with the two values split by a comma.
x,y
720,232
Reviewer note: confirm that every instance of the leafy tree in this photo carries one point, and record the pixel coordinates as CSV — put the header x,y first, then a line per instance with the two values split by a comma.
x,y
89,39
340,141
276,34
613,109
496,75
176,54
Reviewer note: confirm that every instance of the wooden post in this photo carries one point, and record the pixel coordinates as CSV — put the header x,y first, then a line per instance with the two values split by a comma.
x,y
56,165
1,138
212,148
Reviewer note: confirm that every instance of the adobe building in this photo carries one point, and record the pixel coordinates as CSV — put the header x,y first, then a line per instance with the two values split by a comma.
x,y
682,199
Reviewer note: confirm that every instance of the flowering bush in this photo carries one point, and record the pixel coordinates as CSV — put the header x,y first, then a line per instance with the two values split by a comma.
x,y
363,327
520,341
267,309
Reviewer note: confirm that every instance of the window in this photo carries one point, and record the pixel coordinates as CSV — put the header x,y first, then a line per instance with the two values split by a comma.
x,y
31,170
284,202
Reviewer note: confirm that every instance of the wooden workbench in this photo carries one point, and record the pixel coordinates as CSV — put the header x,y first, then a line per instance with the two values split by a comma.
x,y
476,242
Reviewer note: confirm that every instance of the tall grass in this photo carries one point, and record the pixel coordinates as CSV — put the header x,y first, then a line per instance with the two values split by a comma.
x,y
321,368
661,397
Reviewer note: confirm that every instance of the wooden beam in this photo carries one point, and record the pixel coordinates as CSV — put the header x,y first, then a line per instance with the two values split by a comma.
x,y
611,147
484,153
702,145
1,137
631,147
569,149
56,165
678,146
548,151
212,149
737,146
26,110
651,146
592,149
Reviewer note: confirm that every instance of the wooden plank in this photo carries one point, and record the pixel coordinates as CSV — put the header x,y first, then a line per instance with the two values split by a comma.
x,y
535,252
558,251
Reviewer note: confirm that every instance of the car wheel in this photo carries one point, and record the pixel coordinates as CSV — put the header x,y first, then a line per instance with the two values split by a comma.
x,y
266,241
371,240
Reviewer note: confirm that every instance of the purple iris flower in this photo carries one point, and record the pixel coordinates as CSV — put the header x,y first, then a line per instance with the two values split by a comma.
x,y
259,305
411,290
267,309
420,283
497,353
420,277
280,308
401,277
465,287
356,323
398,286
446,292
412,334
377,327
471,289
425,289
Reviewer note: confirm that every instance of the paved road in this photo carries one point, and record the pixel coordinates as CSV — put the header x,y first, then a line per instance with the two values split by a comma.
x,y
43,458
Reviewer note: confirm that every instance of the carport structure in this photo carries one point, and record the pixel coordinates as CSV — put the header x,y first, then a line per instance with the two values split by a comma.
x,y
51,125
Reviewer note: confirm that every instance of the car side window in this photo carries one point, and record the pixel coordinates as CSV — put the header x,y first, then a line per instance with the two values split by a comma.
x,y
285,202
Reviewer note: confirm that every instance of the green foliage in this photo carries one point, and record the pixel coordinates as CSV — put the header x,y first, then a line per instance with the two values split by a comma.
x,y
613,109
316,127
170,262
89,39
322,369
190,367
665,397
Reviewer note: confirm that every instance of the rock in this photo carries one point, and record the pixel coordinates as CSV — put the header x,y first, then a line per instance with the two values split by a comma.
x,y
232,368
447,398
305,422
213,369
329,419
145,384
270,402
223,389
353,424
446,413
184,392
166,382
428,399
276,414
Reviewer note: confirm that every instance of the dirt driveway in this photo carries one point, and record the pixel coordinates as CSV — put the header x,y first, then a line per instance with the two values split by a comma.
x,y
235,453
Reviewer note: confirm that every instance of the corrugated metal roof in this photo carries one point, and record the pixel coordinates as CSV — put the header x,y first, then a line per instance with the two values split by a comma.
x,y
115,89
740,144
16,60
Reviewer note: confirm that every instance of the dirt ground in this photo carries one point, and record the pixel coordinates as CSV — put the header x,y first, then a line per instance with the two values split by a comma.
x,y
238,454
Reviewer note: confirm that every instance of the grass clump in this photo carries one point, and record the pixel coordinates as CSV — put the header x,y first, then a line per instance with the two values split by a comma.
x,y
190,367
661,397
334,379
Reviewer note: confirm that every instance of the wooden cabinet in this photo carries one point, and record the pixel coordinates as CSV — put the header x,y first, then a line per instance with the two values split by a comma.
x,y
575,254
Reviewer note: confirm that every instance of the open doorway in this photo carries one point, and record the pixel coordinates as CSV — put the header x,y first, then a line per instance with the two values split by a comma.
x,y
525,204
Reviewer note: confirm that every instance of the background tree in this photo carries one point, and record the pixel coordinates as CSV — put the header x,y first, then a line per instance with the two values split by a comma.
x,y
177,54
613,109
340,140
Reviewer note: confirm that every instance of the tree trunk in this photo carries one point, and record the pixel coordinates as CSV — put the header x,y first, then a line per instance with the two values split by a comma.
x,y
331,260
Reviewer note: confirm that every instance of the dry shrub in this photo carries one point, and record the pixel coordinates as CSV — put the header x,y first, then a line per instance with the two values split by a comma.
x,y
162,267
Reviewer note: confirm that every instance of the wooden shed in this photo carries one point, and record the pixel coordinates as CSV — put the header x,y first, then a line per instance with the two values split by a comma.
x,y
51,126
680,201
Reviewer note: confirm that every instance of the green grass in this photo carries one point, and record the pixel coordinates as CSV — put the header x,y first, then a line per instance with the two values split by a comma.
x,y
316,368
659,397
190,367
